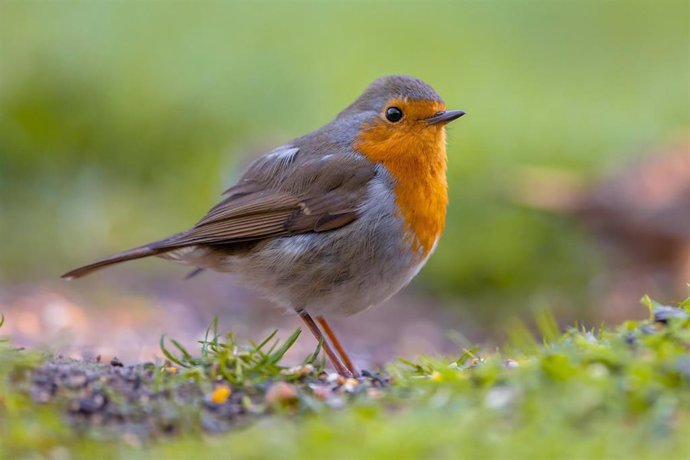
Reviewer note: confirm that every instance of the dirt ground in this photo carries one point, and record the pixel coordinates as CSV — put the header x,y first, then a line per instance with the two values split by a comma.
x,y
114,315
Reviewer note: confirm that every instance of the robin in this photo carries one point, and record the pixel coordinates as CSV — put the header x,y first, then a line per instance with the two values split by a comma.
x,y
335,221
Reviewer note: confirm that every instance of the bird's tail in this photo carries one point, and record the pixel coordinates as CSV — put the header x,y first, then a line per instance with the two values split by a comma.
x,y
140,252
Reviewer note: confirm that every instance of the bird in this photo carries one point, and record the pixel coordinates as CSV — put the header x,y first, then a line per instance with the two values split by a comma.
x,y
335,221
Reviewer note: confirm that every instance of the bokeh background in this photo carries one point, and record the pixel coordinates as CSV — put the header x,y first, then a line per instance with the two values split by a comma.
x,y
121,122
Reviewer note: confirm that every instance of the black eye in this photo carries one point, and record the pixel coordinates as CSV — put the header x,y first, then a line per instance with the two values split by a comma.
x,y
393,114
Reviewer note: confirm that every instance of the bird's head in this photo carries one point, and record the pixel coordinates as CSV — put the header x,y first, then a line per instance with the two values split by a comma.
x,y
400,116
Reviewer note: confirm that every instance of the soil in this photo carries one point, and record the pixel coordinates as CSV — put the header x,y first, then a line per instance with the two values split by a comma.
x,y
141,402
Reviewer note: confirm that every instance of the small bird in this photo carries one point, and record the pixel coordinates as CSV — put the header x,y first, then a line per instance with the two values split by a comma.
x,y
335,221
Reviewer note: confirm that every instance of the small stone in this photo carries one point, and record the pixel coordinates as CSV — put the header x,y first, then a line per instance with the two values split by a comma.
x,y
322,392
350,385
377,382
630,339
280,394
511,364
74,380
663,313
336,379
299,371
88,406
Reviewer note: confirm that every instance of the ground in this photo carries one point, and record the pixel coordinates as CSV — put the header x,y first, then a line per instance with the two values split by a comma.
x,y
604,393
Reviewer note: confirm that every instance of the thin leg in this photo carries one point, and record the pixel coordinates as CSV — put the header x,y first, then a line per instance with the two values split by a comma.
x,y
337,345
333,358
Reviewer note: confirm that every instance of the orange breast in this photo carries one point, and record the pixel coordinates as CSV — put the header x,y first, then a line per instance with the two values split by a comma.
x,y
415,155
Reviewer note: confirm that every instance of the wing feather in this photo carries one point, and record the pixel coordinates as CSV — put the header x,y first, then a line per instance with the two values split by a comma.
x,y
282,193
258,208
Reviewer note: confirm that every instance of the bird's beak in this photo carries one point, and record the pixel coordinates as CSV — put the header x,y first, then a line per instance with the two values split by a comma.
x,y
444,117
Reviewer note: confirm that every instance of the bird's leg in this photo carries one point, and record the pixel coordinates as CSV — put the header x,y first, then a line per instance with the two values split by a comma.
x,y
333,358
337,345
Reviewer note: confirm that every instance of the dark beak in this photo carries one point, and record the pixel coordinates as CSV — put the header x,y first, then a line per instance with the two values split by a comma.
x,y
445,117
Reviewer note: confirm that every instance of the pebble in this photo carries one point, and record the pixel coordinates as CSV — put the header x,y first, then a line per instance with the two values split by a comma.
x,y
321,392
134,403
511,364
350,385
299,371
74,380
281,393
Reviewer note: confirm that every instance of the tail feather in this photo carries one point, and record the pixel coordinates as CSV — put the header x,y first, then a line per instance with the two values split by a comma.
x,y
131,254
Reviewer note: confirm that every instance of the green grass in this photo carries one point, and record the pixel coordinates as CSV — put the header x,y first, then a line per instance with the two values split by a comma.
x,y
223,358
583,393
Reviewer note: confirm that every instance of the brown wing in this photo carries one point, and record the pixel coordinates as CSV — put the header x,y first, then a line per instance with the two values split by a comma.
x,y
332,193
312,195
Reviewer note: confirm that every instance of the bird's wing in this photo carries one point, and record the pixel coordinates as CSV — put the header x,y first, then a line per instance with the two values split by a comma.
x,y
278,196
281,194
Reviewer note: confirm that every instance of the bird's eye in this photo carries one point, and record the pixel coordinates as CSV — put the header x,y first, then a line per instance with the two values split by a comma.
x,y
393,114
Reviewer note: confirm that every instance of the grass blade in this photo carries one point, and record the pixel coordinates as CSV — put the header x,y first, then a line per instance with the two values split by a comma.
x,y
311,359
266,340
185,354
205,344
278,354
169,355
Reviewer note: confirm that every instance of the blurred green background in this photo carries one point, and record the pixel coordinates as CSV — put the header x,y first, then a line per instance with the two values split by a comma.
x,y
120,122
